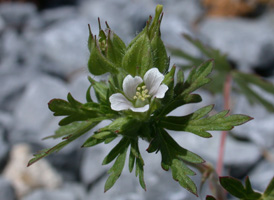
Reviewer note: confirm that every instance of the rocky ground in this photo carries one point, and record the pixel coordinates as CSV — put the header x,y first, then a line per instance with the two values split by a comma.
x,y
43,55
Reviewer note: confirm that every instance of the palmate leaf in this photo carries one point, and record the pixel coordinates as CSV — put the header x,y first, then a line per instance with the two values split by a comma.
x,y
237,189
182,91
135,157
173,157
73,109
71,135
115,171
198,77
198,124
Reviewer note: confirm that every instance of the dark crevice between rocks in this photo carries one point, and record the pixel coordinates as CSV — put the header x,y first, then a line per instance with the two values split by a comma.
x,y
266,60
240,172
99,177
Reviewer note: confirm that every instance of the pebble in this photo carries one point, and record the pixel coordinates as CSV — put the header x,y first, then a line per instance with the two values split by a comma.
x,y
23,179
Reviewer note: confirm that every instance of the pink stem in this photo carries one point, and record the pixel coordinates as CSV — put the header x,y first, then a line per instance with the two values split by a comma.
x,y
227,89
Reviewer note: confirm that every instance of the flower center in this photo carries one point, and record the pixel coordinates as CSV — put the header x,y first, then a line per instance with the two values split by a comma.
x,y
141,93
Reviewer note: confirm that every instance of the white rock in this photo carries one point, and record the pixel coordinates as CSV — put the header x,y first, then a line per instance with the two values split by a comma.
x,y
25,179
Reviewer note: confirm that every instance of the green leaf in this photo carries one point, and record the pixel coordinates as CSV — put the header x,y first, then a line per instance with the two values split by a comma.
x,y
160,58
180,83
66,130
125,126
98,138
235,187
198,77
88,97
123,144
269,192
173,157
169,77
117,168
115,48
83,127
101,90
179,101
138,58
72,109
98,64
198,124
139,168
208,197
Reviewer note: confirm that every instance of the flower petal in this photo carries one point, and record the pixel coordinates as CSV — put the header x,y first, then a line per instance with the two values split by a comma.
x,y
161,91
130,84
153,79
119,102
140,109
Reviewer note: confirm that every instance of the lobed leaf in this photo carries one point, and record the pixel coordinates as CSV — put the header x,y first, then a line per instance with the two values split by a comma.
x,y
198,124
198,77
117,168
173,157
72,109
235,187
83,127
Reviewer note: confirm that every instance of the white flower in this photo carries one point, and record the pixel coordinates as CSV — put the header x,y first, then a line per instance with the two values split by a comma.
x,y
138,92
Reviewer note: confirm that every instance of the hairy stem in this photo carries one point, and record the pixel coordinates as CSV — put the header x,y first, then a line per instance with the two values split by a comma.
x,y
227,89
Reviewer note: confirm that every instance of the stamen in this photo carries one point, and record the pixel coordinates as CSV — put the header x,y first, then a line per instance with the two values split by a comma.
x,y
141,93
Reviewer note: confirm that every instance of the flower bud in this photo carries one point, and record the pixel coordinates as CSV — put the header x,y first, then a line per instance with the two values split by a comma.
x,y
106,52
147,49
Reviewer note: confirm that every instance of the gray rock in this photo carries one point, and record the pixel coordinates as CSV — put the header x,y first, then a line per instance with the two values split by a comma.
x,y
13,85
236,153
6,190
4,149
6,120
11,46
160,184
51,194
186,11
32,116
260,129
64,46
91,165
260,177
79,84
2,24
51,16
17,14
242,39
76,188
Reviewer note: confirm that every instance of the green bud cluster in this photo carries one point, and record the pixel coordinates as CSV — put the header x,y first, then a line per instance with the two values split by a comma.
x,y
108,53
